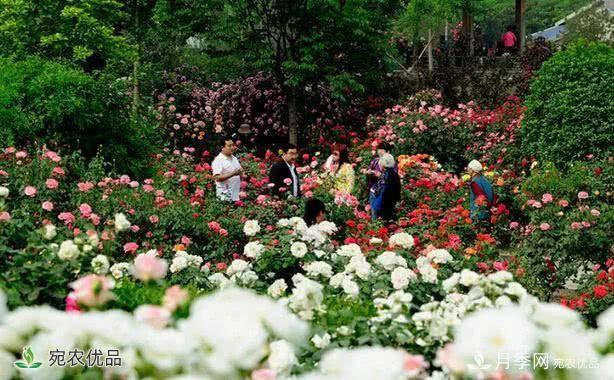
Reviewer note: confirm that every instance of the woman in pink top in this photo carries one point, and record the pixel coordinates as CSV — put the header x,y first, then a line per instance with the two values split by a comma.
x,y
509,40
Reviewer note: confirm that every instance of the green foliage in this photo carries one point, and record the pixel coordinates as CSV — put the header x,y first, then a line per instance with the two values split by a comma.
x,y
71,30
570,111
47,102
563,237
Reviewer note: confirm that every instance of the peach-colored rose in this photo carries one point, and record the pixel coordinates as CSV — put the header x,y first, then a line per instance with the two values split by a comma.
x,y
155,316
148,267
93,290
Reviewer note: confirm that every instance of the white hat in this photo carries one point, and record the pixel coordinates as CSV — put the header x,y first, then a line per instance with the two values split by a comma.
x,y
475,166
387,161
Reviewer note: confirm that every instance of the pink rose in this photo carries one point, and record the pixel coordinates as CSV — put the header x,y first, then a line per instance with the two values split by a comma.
x,y
582,195
576,226
155,316
186,240
263,374
58,171
85,209
513,225
563,203
30,191
47,206
414,364
547,198
85,186
174,297
51,184
595,212
93,290
214,226
130,247
21,154
287,181
154,219
223,232
5,216
149,267
71,304
67,217
544,226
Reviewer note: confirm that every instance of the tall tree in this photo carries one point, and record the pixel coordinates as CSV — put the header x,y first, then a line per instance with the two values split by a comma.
x,y
303,42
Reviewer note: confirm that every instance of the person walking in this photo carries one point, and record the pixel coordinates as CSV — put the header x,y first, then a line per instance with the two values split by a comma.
x,y
482,196
227,171
283,175
386,192
375,169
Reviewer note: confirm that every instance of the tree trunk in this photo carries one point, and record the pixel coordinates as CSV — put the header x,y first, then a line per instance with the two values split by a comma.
x,y
135,66
430,51
520,23
468,31
292,116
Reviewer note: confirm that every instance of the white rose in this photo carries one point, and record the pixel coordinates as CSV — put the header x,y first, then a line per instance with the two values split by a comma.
x,y
500,277
251,227
68,250
375,241
515,289
253,249
429,274
49,231
350,287
121,222
389,260
4,192
179,263
100,264
402,239
298,249
237,266
401,277
282,358
439,256
119,270
469,278
277,288
318,268
449,283
321,341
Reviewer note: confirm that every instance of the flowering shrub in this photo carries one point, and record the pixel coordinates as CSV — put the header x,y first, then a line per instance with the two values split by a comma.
x,y
453,136
191,114
568,225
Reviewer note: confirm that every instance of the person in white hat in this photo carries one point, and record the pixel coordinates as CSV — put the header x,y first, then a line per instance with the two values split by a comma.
x,y
482,196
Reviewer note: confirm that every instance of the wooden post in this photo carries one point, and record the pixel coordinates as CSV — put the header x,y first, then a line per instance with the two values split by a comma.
x,y
521,6
430,51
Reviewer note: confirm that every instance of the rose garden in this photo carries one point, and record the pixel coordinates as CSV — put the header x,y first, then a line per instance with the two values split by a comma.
x,y
115,241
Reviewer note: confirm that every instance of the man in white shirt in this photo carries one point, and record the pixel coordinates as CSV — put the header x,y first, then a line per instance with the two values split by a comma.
x,y
227,172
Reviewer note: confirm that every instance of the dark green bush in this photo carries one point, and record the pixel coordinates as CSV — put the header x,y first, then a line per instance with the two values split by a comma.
x,y
55,104
570,111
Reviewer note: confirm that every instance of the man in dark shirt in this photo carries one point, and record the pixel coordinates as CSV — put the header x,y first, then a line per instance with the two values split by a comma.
x,y
283,174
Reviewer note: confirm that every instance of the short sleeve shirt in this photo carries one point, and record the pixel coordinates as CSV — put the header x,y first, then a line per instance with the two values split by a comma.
x,y
230,188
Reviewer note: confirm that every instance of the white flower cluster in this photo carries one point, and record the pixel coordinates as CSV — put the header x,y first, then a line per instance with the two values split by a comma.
x,y
306,297
401,239
227,333
467,291
119,270
121,222
183,260
550,331
366,363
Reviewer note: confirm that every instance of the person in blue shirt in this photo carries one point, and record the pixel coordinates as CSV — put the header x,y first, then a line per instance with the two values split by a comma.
x,y
482,196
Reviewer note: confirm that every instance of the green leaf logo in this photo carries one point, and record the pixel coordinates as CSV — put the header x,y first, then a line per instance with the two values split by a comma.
x,y
28,359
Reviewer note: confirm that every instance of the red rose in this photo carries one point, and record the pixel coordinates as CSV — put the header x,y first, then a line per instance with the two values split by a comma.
x,y
600,291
